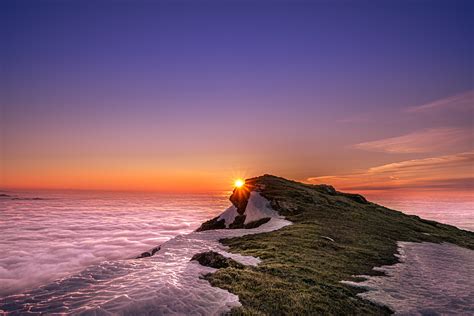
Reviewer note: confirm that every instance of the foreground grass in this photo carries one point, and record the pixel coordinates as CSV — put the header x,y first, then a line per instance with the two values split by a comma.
x,y
302,267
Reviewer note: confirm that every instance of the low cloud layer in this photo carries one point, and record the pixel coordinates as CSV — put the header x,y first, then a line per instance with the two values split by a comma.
x,y
45,240
442,172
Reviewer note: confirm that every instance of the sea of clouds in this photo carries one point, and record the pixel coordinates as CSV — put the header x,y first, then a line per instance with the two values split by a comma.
x,y
168,283
63,233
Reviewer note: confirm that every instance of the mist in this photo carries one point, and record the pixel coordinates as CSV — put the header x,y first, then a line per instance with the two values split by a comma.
x,y
43,240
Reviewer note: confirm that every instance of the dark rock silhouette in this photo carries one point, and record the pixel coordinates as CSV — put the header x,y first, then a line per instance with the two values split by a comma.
x,y
150,253
215,260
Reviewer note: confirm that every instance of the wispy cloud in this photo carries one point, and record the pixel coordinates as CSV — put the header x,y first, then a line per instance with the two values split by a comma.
x,y
443,172
428,140
460,101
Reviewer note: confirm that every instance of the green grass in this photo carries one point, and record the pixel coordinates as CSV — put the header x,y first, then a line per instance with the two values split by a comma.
x,y
301,270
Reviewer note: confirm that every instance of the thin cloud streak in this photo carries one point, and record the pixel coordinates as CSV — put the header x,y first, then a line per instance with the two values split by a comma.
x,y
443,172
425,141
460,101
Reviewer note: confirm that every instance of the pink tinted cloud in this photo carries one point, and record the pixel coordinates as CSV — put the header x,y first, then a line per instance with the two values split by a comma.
x,y
454,171
424,141
462,101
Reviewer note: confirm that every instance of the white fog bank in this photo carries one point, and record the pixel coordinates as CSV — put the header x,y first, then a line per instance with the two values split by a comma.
x,y
43,240
167,283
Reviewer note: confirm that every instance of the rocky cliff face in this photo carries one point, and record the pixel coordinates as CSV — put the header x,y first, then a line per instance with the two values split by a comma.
x,y
237,216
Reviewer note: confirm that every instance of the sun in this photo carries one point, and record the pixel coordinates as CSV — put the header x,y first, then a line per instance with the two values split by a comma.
x,y
239,183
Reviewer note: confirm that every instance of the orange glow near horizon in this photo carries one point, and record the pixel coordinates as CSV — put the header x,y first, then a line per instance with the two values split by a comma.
x,y
123,177
111,179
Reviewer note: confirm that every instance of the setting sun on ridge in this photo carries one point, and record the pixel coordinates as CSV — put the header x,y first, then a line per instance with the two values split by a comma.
x,y
239,183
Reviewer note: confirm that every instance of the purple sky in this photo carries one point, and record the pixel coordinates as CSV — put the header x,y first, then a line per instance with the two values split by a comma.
x,y
167,95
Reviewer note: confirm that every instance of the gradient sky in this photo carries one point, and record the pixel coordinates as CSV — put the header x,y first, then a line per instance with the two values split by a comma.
x,y
186,95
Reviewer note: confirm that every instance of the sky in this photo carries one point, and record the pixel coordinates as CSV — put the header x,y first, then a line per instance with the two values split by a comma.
x,y
188,95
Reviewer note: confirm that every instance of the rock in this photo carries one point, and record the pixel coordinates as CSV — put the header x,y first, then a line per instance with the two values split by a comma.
x,y
238,222
355,197
145,254
214,223
155,250
240,197
150,253
328,189
215,260
257,223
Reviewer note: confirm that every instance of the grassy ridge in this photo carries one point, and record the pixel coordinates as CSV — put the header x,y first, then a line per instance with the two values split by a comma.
x,y
302,267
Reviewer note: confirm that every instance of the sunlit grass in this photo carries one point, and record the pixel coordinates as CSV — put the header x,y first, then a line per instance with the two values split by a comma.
x,y
333,238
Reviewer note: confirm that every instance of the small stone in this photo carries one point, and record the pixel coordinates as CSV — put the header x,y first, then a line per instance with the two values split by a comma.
x,y
215,260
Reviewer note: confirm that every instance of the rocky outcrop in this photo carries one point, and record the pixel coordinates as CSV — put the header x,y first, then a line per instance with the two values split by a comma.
x,y
214,223
257,223
215,260
150,253
249,210
238,222
240,198
354,197
329,190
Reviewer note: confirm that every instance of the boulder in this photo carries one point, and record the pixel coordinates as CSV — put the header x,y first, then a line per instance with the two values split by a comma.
x,y
215,260
214,223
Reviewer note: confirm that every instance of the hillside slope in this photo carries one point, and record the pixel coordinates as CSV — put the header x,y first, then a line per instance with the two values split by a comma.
x,y
333,237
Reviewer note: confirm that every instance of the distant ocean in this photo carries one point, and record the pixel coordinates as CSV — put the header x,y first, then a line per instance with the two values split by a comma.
x,y
62,233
